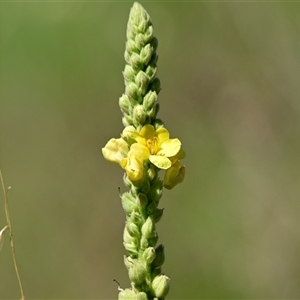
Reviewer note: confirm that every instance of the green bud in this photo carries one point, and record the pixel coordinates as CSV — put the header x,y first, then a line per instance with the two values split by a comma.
x,y
131,47
140,41
151,71
125,104
150,100
128,134
127,237
128,203
128,261
132,229
144,243
160,256
161,286
136,218
146,54
148,229
135,62
127,120
131,248
131,90
127,294
149,255
152,173
152,112
139,115
137,272
141,296
142,82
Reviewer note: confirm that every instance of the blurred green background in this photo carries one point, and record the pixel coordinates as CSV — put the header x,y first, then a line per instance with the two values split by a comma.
x,y
230,91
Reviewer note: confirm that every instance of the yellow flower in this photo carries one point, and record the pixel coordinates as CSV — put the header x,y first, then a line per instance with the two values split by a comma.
x,y
115,150
156,146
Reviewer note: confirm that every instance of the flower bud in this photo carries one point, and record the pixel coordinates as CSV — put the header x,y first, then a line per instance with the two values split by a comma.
x,y
132,229
128,261
131,248
128,73
144,243
149,255
127,120
159,257
137,272
136,218
150,100
125,104
127,237
139,115
127,294
152,173
142,81
174,175
136,62
146,54
128,134
141,296
131,90
148,229
161,286
128,203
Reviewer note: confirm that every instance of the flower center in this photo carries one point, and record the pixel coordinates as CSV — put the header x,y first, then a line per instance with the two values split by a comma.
x,y
152,145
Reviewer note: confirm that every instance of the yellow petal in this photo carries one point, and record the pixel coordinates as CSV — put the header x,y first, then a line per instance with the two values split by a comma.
x,y
146,133
174,175
162,134
115,150
140,151
170,148
161,162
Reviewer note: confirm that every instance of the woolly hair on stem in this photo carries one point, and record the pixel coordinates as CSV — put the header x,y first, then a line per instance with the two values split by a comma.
x,y
144,149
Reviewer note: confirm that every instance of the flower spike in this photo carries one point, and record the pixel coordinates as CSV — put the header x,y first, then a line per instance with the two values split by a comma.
x,y
143,150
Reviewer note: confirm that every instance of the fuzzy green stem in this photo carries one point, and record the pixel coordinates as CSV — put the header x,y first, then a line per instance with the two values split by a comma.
x,y
11,235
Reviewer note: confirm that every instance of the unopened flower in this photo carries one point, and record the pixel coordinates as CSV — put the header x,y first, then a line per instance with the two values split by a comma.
x,y
174,175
